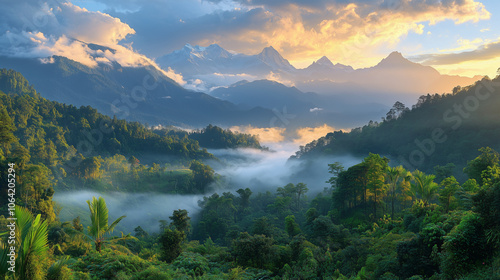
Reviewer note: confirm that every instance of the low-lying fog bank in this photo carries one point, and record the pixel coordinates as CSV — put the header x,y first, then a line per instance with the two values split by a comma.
x,y
241,168
141,209
267,170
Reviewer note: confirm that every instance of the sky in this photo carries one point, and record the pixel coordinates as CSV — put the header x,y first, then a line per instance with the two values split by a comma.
x,y
454,36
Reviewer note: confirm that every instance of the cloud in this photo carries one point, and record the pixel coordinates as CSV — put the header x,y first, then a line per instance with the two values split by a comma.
x,y
308,134
57,19
265,135
483,52
95,27
272,76
43,29
300,136
351,32
175,76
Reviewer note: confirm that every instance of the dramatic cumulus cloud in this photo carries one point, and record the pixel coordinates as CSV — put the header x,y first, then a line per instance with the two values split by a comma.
x,y
354,32
38,29
348,31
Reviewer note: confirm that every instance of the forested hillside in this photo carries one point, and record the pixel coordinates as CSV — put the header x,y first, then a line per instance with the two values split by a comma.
x,y
214,137
373,222
68,147
439,129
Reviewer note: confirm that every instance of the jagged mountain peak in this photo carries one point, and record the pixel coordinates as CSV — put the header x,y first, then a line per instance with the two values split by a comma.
x,y
270,53
273,58
395,59
324,61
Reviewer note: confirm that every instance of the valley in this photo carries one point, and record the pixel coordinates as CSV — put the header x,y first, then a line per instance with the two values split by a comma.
x,y
158,140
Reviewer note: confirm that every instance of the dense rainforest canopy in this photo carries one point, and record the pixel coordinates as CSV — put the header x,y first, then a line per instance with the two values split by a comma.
x,y
437,130
377,220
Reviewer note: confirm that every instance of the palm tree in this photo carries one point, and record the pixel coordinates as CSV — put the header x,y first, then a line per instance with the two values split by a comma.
x,y
395,176
99,219
32,243
424,186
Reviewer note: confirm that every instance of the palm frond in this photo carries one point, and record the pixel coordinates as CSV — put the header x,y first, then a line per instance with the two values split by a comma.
x,y
55,269
113,225
4,266
33,240
98,216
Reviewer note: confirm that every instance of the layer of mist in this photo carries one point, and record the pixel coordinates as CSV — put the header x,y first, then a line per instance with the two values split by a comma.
x,y
258,170
141,209
267,170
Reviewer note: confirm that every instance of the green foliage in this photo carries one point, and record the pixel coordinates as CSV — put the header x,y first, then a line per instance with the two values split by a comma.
x,y
6,127
217,217
108,264
334,169
443,172
423,186
447,194
254,251
99,227
59,271
170,241
426,135
32,240
476,167
203,175
350,231
180,220
292,228
466,247
153,273
487,205
213,137
191,264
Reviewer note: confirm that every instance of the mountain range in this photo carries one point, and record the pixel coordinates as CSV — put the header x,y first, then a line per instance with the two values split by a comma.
x,y
394,74
324,92
142,93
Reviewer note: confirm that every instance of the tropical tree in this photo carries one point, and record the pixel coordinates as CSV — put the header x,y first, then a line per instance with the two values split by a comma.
x,y
244,198
334,169
447,193
171,240
475,167
423,186
99,219
394,177
375,178
31,235
300,189
180,220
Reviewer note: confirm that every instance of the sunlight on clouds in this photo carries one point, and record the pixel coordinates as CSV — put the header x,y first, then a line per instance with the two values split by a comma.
x,y
354,34
277,78
174,76
471,68
95,27
42,46
265,135
308,134
66,30
464,44
300,136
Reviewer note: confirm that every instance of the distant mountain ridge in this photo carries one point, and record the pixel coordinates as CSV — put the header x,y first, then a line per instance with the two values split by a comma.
x,y
407,136
142,93
394,73
196,60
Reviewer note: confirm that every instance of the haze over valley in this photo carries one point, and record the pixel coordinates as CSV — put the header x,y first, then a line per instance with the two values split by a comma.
x,y
151,140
